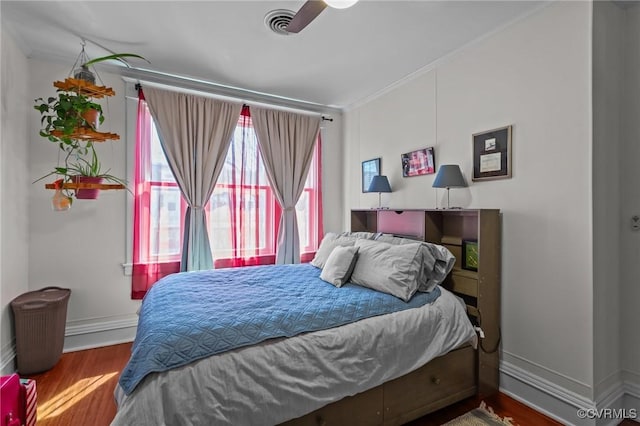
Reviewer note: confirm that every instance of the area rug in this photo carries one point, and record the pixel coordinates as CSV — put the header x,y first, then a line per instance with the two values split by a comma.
x,y
481,416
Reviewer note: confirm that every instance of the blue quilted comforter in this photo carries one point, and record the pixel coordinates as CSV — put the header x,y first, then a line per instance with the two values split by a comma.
x,y
192,315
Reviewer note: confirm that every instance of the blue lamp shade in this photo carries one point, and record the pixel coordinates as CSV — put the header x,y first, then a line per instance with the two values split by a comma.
x,y
379,184
449,176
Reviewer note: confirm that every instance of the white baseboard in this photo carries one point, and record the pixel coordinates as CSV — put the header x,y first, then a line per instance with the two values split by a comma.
x,y
619,398
8,358
544,396
544,376
631,383
562,404
632,391
632,402
79,336
99,332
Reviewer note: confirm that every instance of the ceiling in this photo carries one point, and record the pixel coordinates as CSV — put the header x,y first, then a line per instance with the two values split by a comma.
x,y
340,59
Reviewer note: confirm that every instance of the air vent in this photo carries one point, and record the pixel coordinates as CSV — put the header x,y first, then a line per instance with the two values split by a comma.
x,y
278,20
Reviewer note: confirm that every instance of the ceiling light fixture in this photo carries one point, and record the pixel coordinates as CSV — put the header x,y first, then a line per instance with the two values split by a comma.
x,y
311,9
340,4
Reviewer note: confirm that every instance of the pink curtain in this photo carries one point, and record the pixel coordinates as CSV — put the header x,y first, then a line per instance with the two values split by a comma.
x,y
146,271
316,214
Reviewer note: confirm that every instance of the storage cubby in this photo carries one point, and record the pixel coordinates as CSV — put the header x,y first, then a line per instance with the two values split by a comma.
x,y
480,288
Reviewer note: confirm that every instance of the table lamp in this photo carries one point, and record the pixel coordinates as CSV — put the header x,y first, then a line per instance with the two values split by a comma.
x,y
379,184
449,176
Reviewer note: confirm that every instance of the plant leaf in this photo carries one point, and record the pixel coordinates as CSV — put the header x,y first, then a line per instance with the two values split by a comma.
x,y
117,56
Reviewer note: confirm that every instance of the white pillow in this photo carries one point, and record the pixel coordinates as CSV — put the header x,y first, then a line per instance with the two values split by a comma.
x,y
329,242
392,269
339,265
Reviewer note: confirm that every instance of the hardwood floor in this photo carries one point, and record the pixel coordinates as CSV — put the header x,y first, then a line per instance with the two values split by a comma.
x,y
79,391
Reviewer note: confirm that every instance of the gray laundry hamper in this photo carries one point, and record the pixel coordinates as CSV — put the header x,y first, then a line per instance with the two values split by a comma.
x,y
40,318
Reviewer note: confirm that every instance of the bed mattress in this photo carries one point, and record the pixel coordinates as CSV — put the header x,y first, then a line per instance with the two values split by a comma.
x,y
284,378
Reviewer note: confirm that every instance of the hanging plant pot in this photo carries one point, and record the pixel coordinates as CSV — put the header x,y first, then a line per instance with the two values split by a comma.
x,y
92,117
83,73
87,194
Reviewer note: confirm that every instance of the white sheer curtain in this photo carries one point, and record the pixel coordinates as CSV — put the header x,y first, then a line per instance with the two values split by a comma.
x,y
195,133
286,143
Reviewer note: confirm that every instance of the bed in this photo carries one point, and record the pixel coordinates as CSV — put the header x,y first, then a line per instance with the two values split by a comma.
x,y
378,360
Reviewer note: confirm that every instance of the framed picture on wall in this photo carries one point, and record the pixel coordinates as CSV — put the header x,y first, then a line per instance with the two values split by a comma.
x,y
492,154
419,162
370,168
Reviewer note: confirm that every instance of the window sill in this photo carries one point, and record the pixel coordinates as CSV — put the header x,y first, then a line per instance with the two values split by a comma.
x,y
127,269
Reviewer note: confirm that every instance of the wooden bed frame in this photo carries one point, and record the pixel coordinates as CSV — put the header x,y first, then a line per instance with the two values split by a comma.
x,y
461,373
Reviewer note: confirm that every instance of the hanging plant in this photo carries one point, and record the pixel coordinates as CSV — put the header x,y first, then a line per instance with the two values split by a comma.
x,y
83,73
63,115
71,120
82,166
62,118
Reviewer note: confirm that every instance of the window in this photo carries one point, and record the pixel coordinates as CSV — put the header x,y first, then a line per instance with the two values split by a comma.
x,y
242,214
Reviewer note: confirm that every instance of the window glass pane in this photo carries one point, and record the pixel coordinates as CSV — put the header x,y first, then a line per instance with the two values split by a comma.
x,y
241,207
220,224
164,236
303,210
160,171
311,181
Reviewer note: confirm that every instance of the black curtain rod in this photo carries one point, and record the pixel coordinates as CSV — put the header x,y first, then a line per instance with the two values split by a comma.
x,y
323,117
138,86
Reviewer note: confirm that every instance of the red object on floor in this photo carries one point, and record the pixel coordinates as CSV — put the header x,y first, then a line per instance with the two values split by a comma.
x,y
10,401
29,401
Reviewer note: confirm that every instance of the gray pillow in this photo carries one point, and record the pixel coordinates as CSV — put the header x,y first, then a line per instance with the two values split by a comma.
x,y
392,269
329,242
392,239
437,261
339,265
360,234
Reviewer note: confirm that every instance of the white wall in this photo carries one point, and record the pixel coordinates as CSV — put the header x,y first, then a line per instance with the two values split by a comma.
x,y
14,188
535,75
400,121
630,184
608,61
332,176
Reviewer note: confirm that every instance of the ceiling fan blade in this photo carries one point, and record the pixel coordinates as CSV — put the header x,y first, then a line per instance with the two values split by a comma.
x,y
305,15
